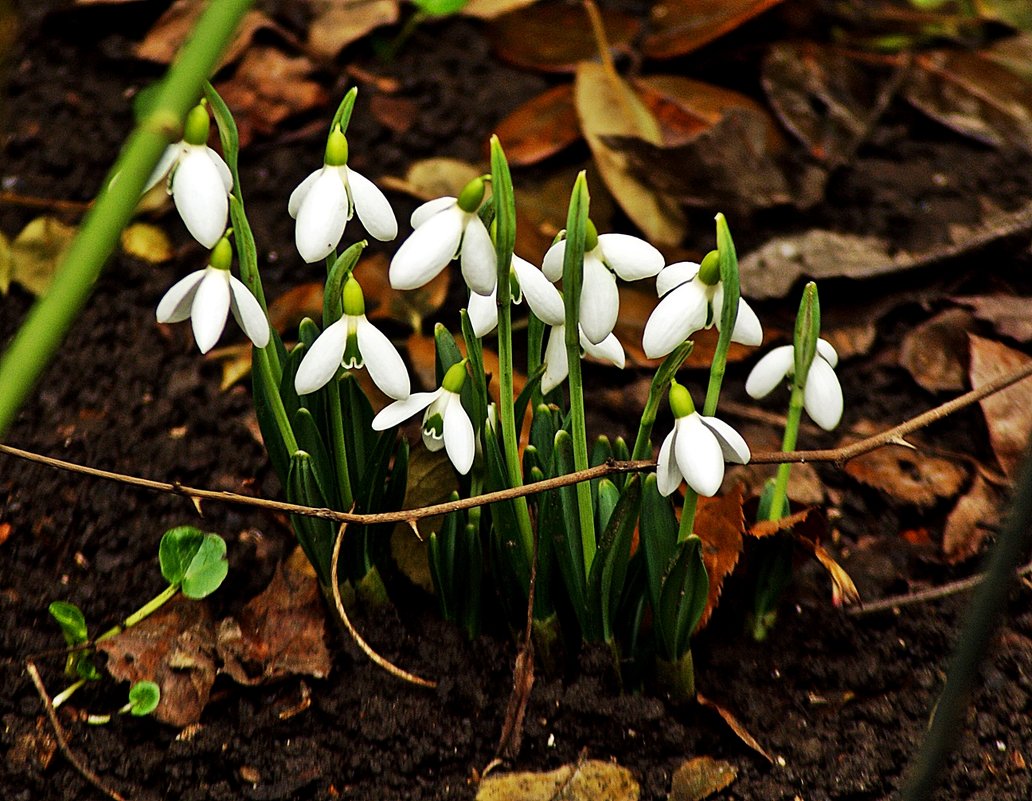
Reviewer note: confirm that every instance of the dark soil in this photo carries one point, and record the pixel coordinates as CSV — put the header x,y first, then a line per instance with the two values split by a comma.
x,y
840,702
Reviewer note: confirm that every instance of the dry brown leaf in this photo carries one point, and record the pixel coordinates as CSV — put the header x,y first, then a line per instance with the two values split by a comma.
x,y
337,23
34,255
434,177
541,210
765,528
971,520
164,40
174,648
267,87
430,480
397,114
303,300
422,355
541,127
843,590
490,9
701,777
588,780
1013,53
733,723
935,352
719,522
1009,314
681,26
281,632
409,307
1008,414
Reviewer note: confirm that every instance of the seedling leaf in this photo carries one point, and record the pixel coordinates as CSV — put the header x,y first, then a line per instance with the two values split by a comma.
x,y
144,697
178,547
208,568
71,620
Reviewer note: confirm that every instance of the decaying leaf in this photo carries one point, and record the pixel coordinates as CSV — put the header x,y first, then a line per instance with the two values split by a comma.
x,y
409,307
843,590
302,300
767,528
337,23
430,480
733,723
1009,314
235,361
541,127
147,242
434,177
1008,414
971,521
681,26
174,648
589,780
935,352
164,40
719,522
281,632
541,210
701,777
36,252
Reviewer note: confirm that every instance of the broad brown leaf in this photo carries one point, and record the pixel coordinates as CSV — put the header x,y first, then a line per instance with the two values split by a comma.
x,y
1007,313
298,302
1008,414
541,127
935,352
164,40
541,210
587,780
434,177
337,23
700,777
971,521
719,522
681,26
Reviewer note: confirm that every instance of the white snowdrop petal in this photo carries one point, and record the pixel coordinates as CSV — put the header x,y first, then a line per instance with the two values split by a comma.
x,y
677,316
427,210
599,301
401,410
542,296
483,313
427,251
221,168
168,158
321,361
673,275
321,217
174,307
297,197
210,308
822,396
747,330
248,312
769,371
608,350
552,265
382,360
458,435
557,365
200,196
630,258
372,207
732,445
668,477
698,455
827,350
478,259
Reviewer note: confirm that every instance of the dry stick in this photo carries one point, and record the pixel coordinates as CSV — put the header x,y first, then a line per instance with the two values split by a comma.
x,y
894,436
367,649
62,740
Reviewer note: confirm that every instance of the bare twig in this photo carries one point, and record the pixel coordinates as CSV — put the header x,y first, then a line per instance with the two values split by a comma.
x,y
62,740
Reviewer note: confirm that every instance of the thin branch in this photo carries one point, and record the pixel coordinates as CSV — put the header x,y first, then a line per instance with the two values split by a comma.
x,y
893,436
62,740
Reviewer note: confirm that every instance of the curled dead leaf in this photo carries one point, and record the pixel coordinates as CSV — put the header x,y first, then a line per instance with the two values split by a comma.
x,y
735,725
971,521
681,26
1008,314
701,777
719,523
935,351
1008,414
337,23
541,127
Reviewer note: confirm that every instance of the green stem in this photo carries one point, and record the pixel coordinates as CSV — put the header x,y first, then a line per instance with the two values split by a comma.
x,y
265,371
716,376
340,448
660,382
535,339
49,320
149,608
67,693
788,443
691,503
580,434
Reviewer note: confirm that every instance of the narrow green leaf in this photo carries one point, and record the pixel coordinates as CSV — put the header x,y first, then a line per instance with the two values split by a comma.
x,y
71,620
342,116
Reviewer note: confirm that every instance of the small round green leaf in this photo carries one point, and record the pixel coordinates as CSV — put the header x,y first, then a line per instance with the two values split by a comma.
x,y
207,569
178,547
144,697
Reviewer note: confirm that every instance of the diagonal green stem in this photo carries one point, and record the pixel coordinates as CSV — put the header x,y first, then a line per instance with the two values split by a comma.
x,y
795,411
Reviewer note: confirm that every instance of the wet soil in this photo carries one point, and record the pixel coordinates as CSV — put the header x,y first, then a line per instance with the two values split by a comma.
x,y
840,702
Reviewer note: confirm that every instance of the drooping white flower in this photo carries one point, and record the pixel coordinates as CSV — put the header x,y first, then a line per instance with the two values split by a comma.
x,y
445,422
605,257
822,393
557,364
445,228
696,449
352,342
323,203
208,296
692,299
526,281
198,180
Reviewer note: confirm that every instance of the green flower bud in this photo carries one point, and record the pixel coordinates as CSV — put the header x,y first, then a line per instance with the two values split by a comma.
x,y
709,270
222,254
807,332
472,195
680,401
353,300
590,236
336,149
455,377
198,123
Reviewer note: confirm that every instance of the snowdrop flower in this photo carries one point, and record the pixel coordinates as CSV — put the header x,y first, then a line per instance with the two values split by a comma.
x,y
605,257
353,342
198,180
557,365
323,203
207,297
695,451
822,393
445,423
692,299
526,281
445,228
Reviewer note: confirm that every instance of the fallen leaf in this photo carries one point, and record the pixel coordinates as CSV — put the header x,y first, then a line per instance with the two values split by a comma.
x,y
37,251
266,88
489,9
434,177
935,352
147,242
235,361
732,722
589,780
541,209
971,521
719,523
843,590
1007,313
409,307
1008,414
281,632
607,107
303,300
766,528
1013,53
430,480
337,23
397,114
174,648
681,26
557,37
701,777
166,37
541,127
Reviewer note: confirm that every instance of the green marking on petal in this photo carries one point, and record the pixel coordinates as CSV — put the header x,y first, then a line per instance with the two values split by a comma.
x,y
352,358
433,426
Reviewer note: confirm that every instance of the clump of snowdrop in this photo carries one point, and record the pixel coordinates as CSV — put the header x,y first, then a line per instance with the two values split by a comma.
x,y
208,296
528,281
697,448
447,228
692,299
353,342
198,180
606,256
822,393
